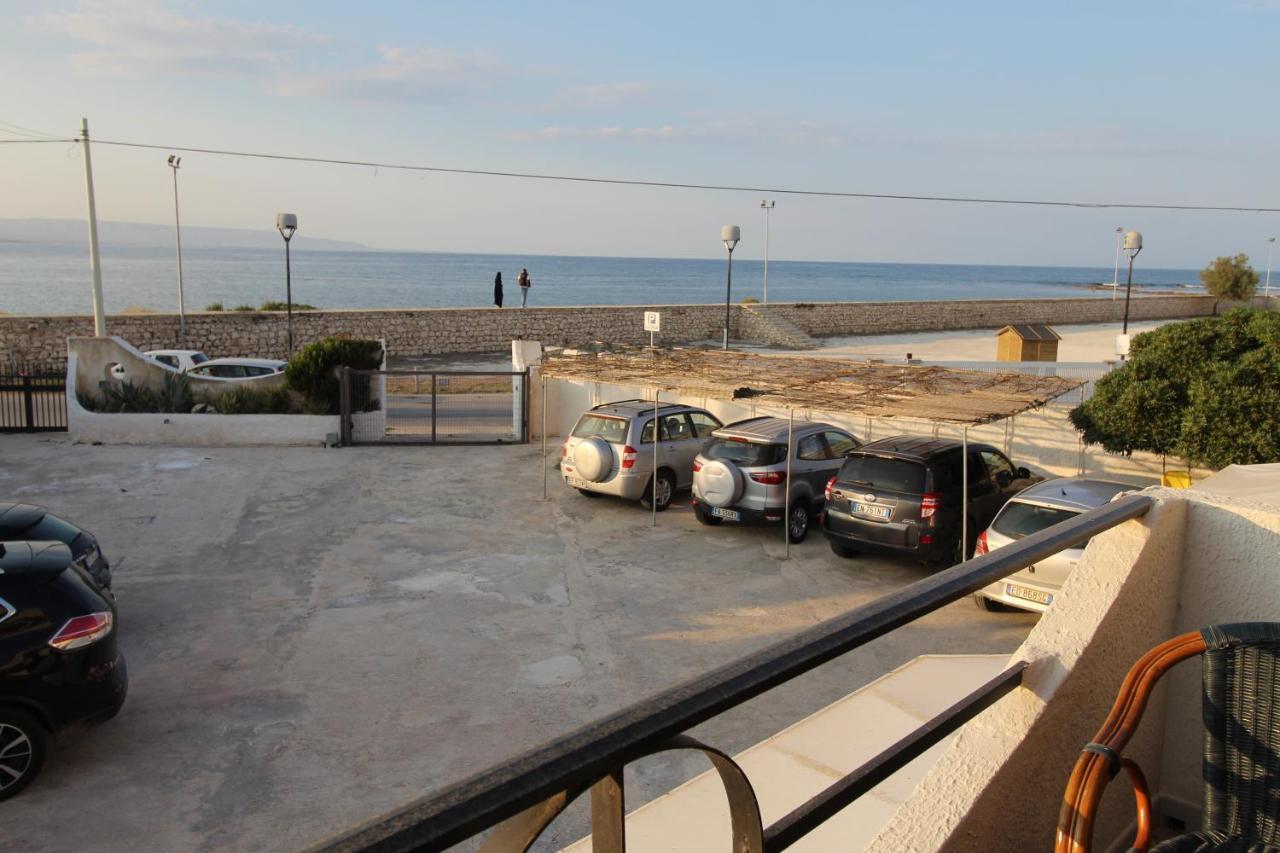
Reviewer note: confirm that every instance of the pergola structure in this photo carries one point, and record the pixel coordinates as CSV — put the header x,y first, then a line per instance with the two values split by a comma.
x,y
942,395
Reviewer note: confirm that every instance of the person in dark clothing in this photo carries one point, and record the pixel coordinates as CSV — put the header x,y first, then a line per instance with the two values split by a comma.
x,y
497,290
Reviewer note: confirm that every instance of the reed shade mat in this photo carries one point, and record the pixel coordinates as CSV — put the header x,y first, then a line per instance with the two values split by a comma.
x,y
872,389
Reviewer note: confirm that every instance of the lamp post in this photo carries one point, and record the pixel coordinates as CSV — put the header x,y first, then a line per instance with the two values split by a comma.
x,y
286,224
729,235
1115,276
174,162
766,206
1271,245
1132,246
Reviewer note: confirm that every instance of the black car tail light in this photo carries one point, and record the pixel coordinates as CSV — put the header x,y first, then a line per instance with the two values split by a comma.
x,y
82,631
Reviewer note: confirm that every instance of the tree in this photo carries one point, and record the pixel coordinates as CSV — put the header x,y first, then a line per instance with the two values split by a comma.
x,y
1230,278
1207,390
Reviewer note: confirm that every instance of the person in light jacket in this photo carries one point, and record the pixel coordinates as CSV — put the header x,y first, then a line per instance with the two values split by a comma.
x,y
525,283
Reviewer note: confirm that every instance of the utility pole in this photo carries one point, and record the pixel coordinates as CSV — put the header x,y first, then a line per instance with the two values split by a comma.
x,y
766,206
1115,276
95,263
174,162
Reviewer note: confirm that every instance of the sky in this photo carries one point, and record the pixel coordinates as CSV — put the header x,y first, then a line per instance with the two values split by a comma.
x,y
1153,102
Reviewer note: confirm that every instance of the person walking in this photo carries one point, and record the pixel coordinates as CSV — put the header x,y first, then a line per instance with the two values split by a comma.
x,y
497,289
525,283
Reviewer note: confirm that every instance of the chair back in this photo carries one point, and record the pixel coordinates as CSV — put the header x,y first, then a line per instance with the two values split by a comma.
x,y
1242,730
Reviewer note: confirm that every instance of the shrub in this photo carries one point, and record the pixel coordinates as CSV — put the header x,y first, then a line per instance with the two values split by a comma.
x,y
1230,278
247,400
173,397
276,305
243,307
311,371
213,306
1207,390
750,300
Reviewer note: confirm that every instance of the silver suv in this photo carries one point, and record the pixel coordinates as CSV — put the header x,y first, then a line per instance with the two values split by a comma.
x,y
610,451
741,473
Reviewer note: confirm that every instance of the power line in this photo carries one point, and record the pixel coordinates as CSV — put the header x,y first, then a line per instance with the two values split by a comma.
x,y
19,130
15,141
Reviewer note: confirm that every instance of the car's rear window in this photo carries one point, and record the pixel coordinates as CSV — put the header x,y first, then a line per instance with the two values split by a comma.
x,y
199,358
897,475
744,453
52,528
1017,519
612,430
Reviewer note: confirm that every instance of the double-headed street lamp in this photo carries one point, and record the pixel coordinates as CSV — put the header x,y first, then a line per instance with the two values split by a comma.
x,y
287,224
729,235
174,162
1132,246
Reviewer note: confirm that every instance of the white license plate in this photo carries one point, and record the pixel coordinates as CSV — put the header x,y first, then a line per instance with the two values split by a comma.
x,y
731,514
873,510
577,483
1022,592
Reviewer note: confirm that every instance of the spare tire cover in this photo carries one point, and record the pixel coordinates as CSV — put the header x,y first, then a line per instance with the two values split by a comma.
x,y
720,483
593,457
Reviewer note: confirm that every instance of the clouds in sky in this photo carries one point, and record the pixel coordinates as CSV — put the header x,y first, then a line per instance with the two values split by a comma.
x,y
402,74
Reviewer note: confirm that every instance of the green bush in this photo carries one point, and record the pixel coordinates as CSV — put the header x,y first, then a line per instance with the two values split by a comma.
x,y
213,306
247,400
243,307
174,397
311,371
1230,278
750,300
276,305
1207,390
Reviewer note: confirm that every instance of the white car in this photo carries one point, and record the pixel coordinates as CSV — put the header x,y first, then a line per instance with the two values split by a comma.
x,y
238,368
180,360
1031,511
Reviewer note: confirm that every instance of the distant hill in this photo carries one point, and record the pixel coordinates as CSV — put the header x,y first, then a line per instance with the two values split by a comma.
x,y
146,234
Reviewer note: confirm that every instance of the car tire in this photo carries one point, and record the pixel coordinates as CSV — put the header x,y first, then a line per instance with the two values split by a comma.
x,y
842,550
590,494
24,743
701,513
665,483
991,606
797,526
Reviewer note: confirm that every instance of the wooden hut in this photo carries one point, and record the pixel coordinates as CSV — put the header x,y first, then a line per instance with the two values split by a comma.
x,y
1027,342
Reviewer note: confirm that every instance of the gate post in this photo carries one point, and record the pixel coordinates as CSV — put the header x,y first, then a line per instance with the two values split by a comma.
x,y
28,403
344,406
433,408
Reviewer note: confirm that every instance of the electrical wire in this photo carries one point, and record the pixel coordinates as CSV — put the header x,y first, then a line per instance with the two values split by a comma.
x,y
14,141
29,132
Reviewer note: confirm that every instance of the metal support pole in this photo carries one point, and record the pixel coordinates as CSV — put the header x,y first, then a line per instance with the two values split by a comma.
x,y
288,296
786,486
544,433
728,287
435,419
1271,246
95,263
1115,276
1127,288
653,480
177,230
964,501
767,207
1080,441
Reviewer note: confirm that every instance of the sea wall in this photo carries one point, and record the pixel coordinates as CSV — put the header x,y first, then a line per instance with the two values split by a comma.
x,y
39,342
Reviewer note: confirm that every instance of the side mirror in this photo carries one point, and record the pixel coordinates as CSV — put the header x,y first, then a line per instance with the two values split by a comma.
x,y
1024,474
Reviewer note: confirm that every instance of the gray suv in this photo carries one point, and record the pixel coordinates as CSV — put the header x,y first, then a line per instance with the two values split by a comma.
x,y
741,473
610,451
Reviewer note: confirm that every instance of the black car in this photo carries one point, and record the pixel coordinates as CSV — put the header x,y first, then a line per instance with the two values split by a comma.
x,y
37,524
903,495
59,662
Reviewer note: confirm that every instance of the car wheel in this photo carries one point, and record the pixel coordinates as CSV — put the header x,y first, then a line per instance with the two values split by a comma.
x,y
843,550
991,606
588,493
665,487
701,513
798,522
23,746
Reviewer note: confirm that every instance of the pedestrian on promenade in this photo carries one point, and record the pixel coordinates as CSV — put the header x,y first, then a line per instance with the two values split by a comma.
x,y
497,289
525,283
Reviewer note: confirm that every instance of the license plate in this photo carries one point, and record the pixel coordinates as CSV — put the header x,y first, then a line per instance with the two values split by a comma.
x,y
873,510
1028,594
577,483
731,514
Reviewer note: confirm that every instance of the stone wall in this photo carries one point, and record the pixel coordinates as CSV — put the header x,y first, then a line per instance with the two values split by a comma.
x,y
40,341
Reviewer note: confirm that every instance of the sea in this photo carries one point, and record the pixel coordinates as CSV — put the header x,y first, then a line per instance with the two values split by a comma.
x,y
49,278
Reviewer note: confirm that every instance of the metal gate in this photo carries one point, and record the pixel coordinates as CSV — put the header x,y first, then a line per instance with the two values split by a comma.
x,y
33,402
434,407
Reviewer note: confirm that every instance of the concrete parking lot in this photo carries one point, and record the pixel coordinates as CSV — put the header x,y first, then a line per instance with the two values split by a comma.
x,y
315,636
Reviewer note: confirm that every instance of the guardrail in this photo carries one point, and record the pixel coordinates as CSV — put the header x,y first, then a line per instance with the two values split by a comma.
x,y
520,797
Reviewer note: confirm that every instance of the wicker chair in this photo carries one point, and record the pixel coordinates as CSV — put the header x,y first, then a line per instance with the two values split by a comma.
x,y
1241,665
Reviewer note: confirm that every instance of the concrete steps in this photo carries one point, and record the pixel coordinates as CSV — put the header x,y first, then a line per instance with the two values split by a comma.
x,y
757,323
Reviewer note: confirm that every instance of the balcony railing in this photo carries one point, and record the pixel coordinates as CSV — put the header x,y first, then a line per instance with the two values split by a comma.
x,y
520,797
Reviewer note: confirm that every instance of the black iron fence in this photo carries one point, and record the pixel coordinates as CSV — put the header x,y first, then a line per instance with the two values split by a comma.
x,y
33,402
434,407
519,798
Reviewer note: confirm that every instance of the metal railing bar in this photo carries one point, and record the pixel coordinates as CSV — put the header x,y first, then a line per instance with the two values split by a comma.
x,y
805,818
583,756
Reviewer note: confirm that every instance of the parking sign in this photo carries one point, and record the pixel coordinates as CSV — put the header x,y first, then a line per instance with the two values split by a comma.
x,y
652,321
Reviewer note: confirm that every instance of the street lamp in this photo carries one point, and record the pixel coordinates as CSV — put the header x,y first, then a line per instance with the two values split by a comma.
x,y
729,235
174,162
1115,276
1271,245
286,224
1132,246
766,206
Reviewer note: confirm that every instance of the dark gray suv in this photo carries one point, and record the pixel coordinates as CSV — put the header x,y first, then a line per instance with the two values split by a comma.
x,y
741,473
903,495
